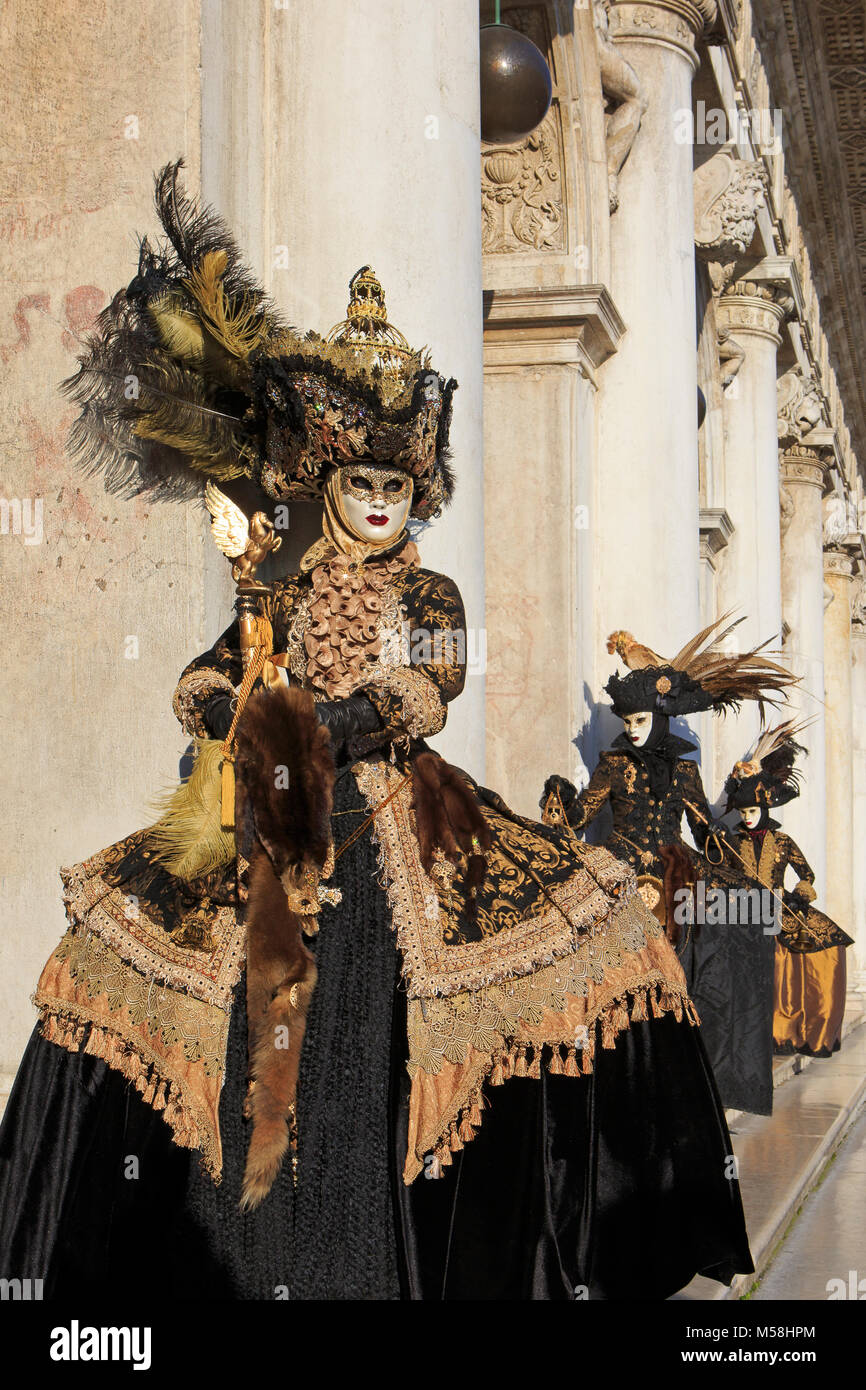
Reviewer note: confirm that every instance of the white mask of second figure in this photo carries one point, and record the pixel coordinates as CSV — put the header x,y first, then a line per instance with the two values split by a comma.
x,y
638,727
751,815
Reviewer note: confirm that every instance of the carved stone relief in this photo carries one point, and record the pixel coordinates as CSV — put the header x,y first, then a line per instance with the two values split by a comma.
x,y
522,192
728,196
798,404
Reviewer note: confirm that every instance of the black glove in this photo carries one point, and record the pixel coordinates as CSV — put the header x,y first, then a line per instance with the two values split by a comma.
x,y
348,719
567,791
218,715
714,841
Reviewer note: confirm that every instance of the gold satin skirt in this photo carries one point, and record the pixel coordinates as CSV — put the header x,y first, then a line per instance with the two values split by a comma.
x,y
809,1001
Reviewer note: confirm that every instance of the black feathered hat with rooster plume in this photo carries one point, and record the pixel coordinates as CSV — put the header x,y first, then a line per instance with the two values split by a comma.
x,y
767,776
191,374
701,676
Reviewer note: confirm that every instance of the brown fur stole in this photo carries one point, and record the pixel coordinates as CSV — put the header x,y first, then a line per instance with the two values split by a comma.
x,y
448,820
284,788
679,873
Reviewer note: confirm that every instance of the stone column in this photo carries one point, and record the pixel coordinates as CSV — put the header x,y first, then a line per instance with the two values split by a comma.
x,y
750,572
839,892
337,135
803,472
646,535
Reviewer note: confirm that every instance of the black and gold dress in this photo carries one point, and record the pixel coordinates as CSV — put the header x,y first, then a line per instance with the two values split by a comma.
x,y
597,1170
810,966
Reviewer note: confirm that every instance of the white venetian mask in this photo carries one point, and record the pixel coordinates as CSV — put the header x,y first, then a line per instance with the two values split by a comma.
x,y
751,815
638,727
375,501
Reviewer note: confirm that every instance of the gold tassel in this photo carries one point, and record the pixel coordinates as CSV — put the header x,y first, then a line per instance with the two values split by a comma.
x,y
520,1064
443,1153
497,1076
586,1059
508,1062
535,1065
455,1143
638,1007
466,1131
571,1067
555,1066
476,1108
227,787
656,1002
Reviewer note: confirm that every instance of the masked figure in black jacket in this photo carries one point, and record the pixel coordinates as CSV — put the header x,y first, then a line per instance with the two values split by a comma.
x,y
651,784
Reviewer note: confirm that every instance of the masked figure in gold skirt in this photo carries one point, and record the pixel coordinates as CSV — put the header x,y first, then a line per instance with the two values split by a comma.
x,y
810,974
373,1035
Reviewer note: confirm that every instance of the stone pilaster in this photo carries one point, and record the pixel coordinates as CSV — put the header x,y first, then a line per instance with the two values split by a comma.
x,y
839,893
857,965
803,475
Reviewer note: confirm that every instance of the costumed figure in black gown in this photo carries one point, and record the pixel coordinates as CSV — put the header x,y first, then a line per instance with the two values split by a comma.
x,y
651,784
369,1034
810,973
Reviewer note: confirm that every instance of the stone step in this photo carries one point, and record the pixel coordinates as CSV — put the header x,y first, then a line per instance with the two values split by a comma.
x,y
782,1156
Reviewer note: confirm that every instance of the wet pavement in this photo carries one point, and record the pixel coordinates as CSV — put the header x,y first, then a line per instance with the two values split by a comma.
x,y
824,1253
780,1158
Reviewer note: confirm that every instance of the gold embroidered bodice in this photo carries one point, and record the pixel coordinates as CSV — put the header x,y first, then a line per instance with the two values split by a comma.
x,y
392,631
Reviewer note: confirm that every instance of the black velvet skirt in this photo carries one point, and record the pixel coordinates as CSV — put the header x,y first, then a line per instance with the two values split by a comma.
x,y
615,1185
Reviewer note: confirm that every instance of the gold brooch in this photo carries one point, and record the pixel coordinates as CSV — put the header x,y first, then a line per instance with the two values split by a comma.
x,y
663,685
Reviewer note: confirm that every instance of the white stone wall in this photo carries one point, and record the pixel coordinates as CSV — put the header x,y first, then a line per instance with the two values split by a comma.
x,y
103,610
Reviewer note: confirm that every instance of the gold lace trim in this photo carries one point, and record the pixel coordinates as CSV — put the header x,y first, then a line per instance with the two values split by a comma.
x,y
187,699
75,1032
125,925
454,1052
564,923
171,1045
422,708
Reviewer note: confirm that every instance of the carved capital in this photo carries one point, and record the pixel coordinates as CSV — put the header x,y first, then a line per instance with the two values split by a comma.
x,y
749,308
674,23
728,195
839,563
803,467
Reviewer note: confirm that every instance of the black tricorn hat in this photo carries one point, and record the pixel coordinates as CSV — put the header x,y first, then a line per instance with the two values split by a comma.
x,y
661,689
701,676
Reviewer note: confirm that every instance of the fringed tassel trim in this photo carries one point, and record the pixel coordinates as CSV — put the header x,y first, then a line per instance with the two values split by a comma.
x,y
159,1092
525,1059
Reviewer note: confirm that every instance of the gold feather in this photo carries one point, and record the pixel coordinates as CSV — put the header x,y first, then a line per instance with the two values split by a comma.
x,y
188,839
238,329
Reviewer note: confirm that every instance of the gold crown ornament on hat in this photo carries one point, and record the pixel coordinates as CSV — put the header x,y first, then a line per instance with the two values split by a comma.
x,y
225,389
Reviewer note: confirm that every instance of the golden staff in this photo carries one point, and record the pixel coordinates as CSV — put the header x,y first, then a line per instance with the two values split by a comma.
x,y
247,542
782,904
